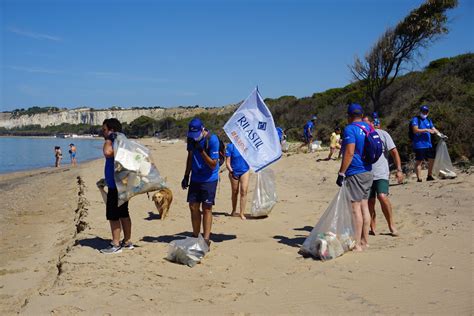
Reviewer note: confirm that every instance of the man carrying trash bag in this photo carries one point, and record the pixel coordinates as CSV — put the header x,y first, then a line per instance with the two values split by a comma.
x,y
356,173
421,128
202,164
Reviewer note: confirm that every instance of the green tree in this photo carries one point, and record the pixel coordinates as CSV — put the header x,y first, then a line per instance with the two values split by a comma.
x,y
400,45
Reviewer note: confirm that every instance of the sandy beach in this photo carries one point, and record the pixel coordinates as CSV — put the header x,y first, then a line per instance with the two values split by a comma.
x,y
52,228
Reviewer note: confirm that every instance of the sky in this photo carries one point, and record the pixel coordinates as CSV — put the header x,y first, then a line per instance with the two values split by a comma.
x,y
102,53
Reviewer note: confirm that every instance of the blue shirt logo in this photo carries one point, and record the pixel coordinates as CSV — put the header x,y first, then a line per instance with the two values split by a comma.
x,y
262,125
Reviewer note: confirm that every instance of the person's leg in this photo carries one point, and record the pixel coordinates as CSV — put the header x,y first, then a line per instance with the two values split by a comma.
x,y
387,212
244,185
116,230
430,167
366,223
358,222
310,142
331,152
195,217
207,220
127,229
418,169
372,214
234,184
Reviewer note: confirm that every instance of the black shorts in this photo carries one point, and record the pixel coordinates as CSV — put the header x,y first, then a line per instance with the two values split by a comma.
x,y
113,212
424,154
202,192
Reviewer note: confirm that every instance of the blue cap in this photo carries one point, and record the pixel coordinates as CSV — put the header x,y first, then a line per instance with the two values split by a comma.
x,y
424,108
314,118
355,108
195,128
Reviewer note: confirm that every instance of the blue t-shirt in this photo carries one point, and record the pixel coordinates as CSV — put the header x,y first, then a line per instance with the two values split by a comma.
x,y
422,140
309,125
200,171
355,135
280,133
109,173
237,162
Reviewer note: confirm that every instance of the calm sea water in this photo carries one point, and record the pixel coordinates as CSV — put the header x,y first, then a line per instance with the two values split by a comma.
x,y
25,153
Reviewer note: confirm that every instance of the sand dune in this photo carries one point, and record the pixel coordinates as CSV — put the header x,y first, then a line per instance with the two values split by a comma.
x,y
46,266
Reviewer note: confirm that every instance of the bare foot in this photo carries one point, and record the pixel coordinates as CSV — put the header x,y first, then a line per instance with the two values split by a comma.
x,y
234,214
357,248
242,217
394,233
372,233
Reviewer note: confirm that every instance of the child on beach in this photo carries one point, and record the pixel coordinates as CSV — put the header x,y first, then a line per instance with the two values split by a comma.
x,y
117,216
335,143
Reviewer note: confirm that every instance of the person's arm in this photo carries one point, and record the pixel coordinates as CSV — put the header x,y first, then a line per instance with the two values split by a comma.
x,y
212,163
108,149
398,163
228,164
188,163
347,158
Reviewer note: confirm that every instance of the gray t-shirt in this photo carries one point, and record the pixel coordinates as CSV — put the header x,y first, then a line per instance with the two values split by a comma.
x,y
380,168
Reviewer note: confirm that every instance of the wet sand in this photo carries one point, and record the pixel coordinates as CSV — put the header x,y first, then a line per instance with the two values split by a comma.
x,y
49,266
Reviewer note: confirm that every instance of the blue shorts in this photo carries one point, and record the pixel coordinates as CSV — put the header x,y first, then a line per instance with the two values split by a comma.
x,y
307,138
202,192
424,154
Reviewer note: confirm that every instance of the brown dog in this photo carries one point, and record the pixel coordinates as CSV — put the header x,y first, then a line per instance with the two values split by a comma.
x,y
163,199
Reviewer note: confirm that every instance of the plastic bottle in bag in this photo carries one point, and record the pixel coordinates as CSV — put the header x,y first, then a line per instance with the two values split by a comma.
x,y
187,251
442,166
334,233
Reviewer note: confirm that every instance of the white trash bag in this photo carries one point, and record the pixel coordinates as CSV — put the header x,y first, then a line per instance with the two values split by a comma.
x,y
442,166
264,196
187,251
135,173
333,235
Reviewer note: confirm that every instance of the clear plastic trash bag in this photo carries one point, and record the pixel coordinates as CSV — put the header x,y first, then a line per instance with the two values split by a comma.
x,y
333,235
187,251
135,173
264,196
442,166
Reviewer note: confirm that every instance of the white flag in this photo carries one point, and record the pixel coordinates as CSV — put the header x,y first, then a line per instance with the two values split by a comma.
x,y
252,130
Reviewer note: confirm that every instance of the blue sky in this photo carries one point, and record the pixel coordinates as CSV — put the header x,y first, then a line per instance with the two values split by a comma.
x,y
212,53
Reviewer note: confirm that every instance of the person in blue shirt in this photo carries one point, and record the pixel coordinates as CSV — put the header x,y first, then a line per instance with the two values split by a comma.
x,y
202,165
422,128
308,130
239,176
356,174
118,216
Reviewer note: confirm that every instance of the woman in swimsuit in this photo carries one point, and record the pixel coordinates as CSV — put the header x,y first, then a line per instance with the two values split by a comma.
x,y
58,155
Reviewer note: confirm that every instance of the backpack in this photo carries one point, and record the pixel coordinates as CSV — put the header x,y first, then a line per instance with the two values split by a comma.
x,y
411,135
221,149
373,145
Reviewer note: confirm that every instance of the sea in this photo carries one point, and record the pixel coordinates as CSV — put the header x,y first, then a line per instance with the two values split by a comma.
x,y
27,153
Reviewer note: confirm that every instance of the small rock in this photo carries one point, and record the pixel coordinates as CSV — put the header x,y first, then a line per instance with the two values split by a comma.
x,y
267,294
403,257
429,263
419,259
452,268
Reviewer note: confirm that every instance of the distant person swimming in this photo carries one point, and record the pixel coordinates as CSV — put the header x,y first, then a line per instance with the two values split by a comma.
x,y
72,153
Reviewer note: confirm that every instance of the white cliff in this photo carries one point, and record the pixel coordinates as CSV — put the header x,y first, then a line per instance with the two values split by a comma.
x,y
96,117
